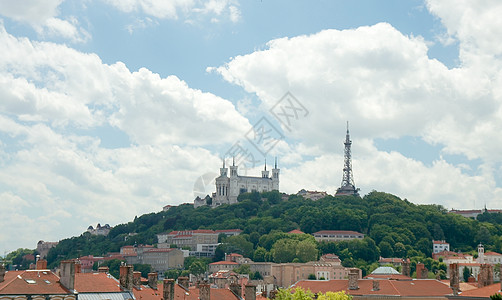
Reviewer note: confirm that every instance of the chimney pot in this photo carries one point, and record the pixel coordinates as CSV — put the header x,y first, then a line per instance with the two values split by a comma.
x,y
454,279
126,277
41,264
353,279
2,273
152,280
136,280
168,289
250,292
205,291
67,274
183,281
376,285
236,289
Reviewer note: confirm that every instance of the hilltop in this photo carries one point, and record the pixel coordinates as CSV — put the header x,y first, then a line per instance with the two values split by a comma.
x,y
393,228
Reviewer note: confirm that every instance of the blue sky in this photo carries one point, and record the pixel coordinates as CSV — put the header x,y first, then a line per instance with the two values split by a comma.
x,y
111,109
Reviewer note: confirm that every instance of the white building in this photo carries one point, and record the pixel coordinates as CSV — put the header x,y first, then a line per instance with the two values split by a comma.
x,y
229,188
439,246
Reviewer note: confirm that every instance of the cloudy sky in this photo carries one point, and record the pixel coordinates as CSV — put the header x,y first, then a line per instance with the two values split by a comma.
x,y
114,108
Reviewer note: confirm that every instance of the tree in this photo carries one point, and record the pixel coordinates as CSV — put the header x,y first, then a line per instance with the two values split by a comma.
x,y
311,277
306,251
197,267
173,274
143,268
386,249
260,254
284,250
301,294
483,236
399,250
466,274
113,266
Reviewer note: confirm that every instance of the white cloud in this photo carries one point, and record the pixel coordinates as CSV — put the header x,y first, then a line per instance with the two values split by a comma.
x,y
384,83
41,15
54,102
216,10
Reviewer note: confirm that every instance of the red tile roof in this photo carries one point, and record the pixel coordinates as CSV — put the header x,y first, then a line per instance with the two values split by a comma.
x,y
440,242
493,253
337,232
485,292
146,293
30,282
296,231
224,263
96,282
229,230
409,288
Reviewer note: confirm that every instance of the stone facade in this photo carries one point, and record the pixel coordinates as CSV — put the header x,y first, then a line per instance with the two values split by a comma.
x,y
229,188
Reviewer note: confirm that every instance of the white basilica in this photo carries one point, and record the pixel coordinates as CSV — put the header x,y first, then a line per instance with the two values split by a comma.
x,y
228,188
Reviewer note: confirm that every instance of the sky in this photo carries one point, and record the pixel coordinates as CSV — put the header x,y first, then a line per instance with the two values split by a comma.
x,y
110,109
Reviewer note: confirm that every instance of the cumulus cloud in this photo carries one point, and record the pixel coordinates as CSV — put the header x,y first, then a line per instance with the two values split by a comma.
x,y
42,16
387,86
55,101
216,10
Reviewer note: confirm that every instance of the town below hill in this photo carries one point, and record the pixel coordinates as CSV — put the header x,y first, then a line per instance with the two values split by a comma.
x,y
267,234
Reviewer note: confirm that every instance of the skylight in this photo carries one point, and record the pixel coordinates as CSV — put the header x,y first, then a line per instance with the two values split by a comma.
x,y
30,281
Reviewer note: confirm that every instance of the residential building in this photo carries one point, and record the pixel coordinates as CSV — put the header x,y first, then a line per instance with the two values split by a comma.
x,y
229,232
416,289
99,230
228,188
336,235
188,238
44,247
439,246
222,266
43,284
288,273
473,213
162,260
312,195
394,261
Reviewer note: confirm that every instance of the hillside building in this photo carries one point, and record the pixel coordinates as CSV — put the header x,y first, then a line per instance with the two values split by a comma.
x,y
440,246
336,235
228,188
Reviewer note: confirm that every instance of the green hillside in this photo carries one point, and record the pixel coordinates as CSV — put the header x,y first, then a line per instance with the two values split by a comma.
x,y
393,228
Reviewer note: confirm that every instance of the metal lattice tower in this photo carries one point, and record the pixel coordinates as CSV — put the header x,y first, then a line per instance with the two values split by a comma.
x,y
348,187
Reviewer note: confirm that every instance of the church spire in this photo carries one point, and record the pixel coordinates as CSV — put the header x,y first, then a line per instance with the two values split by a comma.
x,y
265,164
347,187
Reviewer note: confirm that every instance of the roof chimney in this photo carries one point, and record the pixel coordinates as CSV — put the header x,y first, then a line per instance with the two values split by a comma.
x,y
454,279
136,278
152,280
126,277
236,289
250,292
78,267
41,264
485,276
103,269
422,271
204,291
405,267
376,285
168,289
353,279
183,281
67,274
2,273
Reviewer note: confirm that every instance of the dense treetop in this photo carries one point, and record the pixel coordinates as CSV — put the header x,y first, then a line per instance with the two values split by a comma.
x,y
393,228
